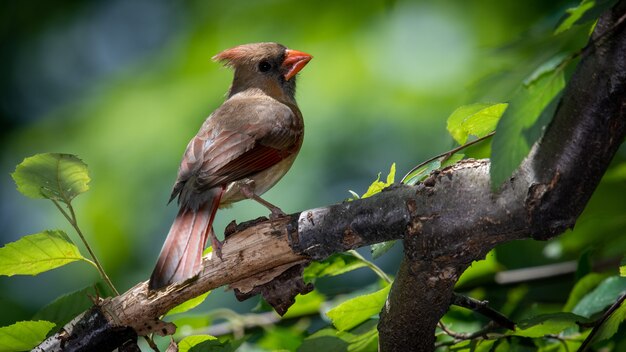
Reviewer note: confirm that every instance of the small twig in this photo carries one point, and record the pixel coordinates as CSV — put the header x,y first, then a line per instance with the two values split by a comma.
x,y
601,321
482,307
71,218
458,337
448,153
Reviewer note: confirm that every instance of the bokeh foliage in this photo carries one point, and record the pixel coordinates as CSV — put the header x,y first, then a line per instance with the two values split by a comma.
x,y
125,85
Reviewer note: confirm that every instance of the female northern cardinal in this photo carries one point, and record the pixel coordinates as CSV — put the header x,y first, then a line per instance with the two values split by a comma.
x,y
242,149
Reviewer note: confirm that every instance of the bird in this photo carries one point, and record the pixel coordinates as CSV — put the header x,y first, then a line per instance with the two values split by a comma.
x,y
241,150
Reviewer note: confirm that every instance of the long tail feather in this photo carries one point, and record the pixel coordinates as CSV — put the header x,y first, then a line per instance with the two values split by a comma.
x,y
181,255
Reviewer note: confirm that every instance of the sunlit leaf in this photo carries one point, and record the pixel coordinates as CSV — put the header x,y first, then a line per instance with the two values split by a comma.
x,y
378,185
601,297
59,177
305,305
187,305
34,254
476,120
378,249
518,128
23,335
546,324
334,265
583,287
359,309
586,11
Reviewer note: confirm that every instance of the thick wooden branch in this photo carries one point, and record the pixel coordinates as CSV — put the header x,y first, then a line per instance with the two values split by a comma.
x,y
447,221
543,199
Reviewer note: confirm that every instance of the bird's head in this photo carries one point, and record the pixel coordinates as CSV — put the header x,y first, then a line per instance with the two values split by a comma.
x,y
270,67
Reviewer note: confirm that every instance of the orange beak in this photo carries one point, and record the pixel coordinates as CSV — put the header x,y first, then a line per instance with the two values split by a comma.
x,y
294,62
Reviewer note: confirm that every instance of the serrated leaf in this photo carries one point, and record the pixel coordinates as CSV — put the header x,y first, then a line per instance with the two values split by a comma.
x,y
583,287
355,311
378,249
586,11
518,129
66,307
476,119
59,177
378,185
601,297
190,341
34,254
23,335
546,324
334,265
189,304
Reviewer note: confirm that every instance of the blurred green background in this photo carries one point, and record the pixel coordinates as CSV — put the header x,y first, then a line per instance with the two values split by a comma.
x,y
125,84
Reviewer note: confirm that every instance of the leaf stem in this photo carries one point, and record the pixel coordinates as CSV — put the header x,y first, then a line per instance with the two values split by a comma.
x,y
371,265
71,218
447,154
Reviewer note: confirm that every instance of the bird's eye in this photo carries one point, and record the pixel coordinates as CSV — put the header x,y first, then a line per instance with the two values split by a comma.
x,y
264,66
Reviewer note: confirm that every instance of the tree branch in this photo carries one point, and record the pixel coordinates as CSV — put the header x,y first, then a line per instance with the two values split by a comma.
x,y
542,199
449,220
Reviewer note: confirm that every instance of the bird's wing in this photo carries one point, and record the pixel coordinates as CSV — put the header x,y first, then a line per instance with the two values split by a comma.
x,y
228,149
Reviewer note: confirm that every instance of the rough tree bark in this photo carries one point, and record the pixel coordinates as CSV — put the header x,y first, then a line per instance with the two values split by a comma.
x,y
446,222
543,199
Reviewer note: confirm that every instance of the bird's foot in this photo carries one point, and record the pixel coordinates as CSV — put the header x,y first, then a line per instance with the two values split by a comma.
x,y
276,213
248,191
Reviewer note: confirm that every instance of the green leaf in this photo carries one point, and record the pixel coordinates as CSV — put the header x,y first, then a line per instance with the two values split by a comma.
x,y
586,11
518,128
422,172
583,287
324,340
190,341
23,335
34,254
546,324
610,326
334,265
278,338
480,270
478,120
66,307
362,338
305,304
355,311
378,185
601,297
59,177
187,305
378,249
